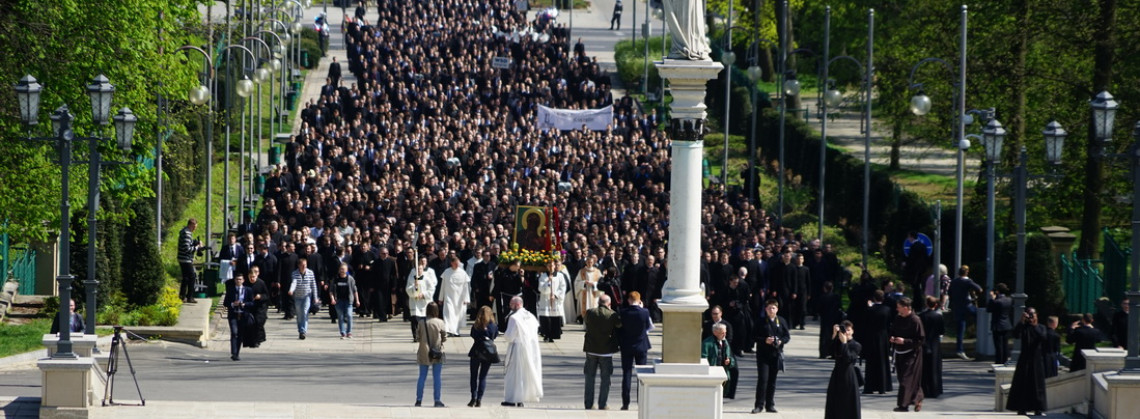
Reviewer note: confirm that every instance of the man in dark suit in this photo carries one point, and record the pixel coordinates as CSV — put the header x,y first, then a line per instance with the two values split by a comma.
x,y
267,265
1000,308
771,336
962,305
239,302
715,316
798,279
76,322
634,341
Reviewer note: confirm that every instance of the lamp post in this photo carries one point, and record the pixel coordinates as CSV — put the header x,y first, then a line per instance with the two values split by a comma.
x,y
100,92
728,58
920,105
833,98
203,95
1103,115
1132,360
992,138
243,88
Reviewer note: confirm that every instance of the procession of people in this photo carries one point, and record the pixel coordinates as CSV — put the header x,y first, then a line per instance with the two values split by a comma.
x,y
396,201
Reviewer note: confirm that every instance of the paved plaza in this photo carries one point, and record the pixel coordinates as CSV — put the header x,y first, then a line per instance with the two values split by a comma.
x,y
374,374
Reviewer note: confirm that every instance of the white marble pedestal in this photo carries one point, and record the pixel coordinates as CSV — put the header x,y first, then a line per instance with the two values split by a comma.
x,y
82,345
681,391
1115,395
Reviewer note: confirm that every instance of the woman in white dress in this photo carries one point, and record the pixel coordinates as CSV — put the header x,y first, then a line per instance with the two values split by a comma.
x,y
552,292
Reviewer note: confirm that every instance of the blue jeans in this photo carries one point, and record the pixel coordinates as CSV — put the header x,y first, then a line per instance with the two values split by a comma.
x,y
478,378
302,306
435,384
344,316
606,364
961,317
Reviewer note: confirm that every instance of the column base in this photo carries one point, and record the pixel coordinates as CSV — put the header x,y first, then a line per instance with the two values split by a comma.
x,y
67,386
681,391
1115,395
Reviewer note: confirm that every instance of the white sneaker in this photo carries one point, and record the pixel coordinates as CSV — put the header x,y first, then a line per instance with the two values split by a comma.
x,y
963,356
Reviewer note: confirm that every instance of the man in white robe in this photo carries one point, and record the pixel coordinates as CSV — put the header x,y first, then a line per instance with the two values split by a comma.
x,y
586,287
523,382
456,294
421,286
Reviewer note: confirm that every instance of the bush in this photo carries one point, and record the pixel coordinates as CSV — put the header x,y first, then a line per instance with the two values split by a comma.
x,y
143,275
312,48
630,59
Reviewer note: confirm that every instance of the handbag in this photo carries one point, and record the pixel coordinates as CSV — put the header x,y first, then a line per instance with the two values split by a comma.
x,y
487,352
435,354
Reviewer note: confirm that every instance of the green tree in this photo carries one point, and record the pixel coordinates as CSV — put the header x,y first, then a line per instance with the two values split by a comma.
x,y
143,274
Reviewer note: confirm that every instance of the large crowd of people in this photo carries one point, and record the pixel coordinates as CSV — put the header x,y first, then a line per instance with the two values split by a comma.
x,y
415,170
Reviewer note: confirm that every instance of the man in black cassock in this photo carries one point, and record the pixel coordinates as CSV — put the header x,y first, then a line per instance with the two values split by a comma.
x,y
876,323
1027,390
1083,335
798,279
907,338
934,327
829,308
508,283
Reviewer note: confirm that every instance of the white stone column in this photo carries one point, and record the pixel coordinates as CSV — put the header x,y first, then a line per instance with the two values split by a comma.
x,y
669,389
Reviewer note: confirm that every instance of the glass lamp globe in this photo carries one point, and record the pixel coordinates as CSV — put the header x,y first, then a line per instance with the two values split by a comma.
x,y
298,27
728,58
261,75
275,65
920,104
754,73
244,87
199,95
791,87
833,98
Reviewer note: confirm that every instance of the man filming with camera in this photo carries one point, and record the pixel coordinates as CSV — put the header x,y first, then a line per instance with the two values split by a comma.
x,y
187,246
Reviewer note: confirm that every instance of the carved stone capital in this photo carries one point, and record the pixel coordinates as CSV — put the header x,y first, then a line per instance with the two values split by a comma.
x,y
686,129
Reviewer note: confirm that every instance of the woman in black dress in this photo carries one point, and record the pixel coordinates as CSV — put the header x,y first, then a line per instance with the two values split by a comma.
x,y
843,387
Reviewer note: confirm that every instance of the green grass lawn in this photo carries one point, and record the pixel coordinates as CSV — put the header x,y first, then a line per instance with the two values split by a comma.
x,y
16,339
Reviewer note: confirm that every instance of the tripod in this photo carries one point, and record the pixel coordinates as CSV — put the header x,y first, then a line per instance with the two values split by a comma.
x,y
118,344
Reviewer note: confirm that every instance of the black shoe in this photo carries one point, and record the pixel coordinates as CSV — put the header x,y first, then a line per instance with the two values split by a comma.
x,y
756,410
589,407
901,409
471,403
235,358
302,337
508,404
478,402
625,407
519,404
770,410
419,403
193,301
439,404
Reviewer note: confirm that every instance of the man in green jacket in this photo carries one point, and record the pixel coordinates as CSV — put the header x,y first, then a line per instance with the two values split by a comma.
x,y
716,351
600,344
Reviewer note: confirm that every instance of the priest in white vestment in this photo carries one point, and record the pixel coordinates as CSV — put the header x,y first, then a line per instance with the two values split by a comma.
x,y
586,287
523,382
456,294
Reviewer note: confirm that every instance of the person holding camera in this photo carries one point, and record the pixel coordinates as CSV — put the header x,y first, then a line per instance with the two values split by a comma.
x,y
843,387
771,335
1027,390
187,246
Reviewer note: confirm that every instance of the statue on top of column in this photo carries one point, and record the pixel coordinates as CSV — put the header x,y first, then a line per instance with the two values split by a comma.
x,y
686,22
